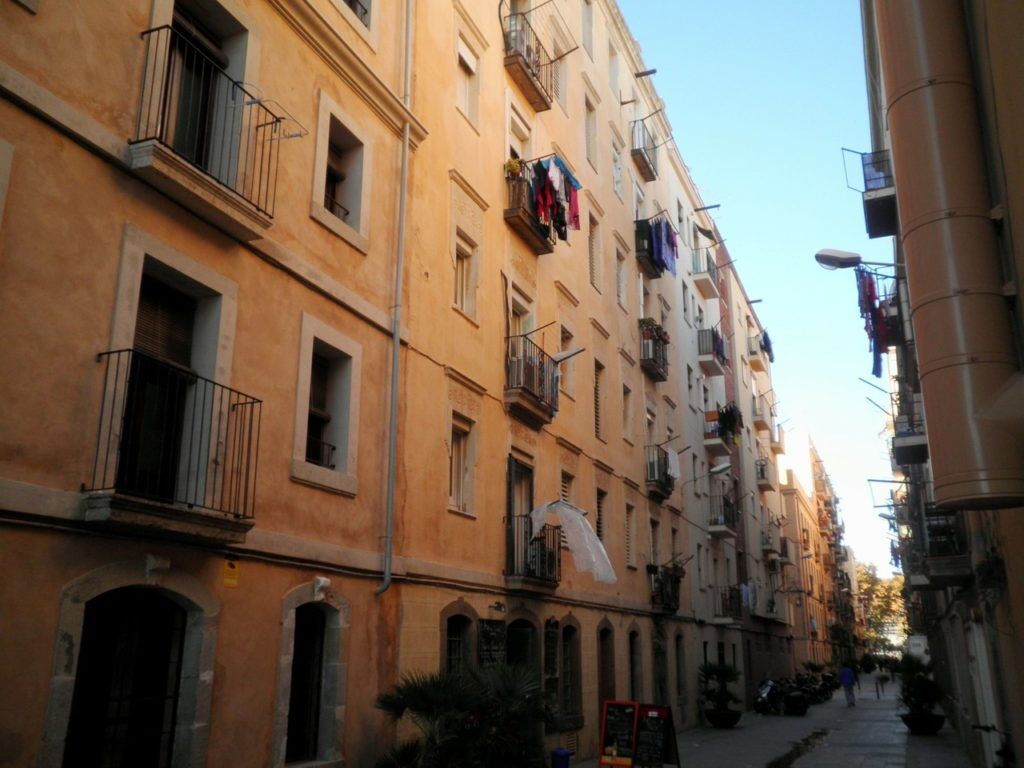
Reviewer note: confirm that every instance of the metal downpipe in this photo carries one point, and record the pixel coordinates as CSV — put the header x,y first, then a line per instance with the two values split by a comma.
x,y
396,321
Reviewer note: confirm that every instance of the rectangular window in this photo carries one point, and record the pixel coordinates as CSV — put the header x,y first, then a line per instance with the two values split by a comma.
x,y
627,412
559,74
630,523
700,316
674,543
594,253
588,27
598,383
343,180
565,487
361,8
655,532
686,303
468,88
617,169
590,131
613,70
689,385
464,279
326,427
599,504
700,567
459,465
621,279
567,368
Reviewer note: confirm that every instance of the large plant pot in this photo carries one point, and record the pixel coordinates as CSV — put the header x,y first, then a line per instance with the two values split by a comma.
x,y
923,723
722,718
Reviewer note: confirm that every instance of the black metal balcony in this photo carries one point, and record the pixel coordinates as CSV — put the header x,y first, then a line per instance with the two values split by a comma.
x,y
722,521
320,452
711,355
718,440
643,240
214,123
644,151
174,451
536,560
665,582
531,382
728,605
880,214
653,349
522,217
705,272
765,472
528,62
947,555
786,552
659,481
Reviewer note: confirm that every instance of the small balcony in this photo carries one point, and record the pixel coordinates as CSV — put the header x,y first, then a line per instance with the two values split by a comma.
x,y
722,520
531,382
778,440
765,472
770,545
644,151
762,413
717,440
654,342
665,581
728,606
532,562
528,62
756,353
705,272
643,239
711,352
909,441
176,454
880,215
521,216
786,549
204,139
947,556
660,482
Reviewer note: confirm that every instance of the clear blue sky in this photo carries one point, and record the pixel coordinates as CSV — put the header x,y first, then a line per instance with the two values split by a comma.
x,y
762,97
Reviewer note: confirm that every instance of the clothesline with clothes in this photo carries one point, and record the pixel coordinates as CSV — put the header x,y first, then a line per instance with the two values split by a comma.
x,y
874,318
663,238
554,194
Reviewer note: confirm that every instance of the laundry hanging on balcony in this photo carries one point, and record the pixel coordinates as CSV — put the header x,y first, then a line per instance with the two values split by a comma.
x,y
663,242
555,195
874,318
587,550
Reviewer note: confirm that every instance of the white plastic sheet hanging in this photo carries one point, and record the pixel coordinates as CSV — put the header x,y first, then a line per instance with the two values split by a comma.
x,y
587,550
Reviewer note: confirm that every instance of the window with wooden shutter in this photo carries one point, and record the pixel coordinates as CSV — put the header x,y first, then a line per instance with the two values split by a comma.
x,y
163,326
598,375
599,513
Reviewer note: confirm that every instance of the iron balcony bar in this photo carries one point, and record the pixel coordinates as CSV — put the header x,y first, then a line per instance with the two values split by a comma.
x,y
538,558
170,436
528,367
194,108
877,170
522,40
704,263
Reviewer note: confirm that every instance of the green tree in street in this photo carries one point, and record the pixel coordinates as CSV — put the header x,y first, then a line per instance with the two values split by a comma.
x,y
884,610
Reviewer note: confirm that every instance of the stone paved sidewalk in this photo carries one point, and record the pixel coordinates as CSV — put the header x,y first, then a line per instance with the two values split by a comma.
x,y
869,735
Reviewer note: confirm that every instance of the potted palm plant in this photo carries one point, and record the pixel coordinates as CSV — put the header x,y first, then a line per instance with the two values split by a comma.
x,y
920,694
715,694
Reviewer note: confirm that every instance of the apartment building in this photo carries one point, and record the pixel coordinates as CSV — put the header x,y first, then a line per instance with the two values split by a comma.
x,y
308,305
943,178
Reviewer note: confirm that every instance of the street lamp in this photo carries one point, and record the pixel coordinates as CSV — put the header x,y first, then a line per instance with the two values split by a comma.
x,y
831,258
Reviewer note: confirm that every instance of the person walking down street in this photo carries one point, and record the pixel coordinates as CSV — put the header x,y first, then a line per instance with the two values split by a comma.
x,y
847,678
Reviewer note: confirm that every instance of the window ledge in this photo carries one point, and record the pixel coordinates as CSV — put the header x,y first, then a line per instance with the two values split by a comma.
x,y
325,479
198,192
470,121
568,394
351,236
468,317
461,512
628,442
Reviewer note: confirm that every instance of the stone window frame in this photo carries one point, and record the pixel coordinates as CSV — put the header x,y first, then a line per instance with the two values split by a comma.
x,y
356,236
198,653
334,674
370,33
456,420
468,60
344,479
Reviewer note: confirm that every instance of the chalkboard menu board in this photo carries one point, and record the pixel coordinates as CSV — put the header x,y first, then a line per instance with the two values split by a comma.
x,y
618,733
655,738
491,642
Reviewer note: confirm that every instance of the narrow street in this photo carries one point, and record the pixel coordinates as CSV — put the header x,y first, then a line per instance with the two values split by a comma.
x,y
869,735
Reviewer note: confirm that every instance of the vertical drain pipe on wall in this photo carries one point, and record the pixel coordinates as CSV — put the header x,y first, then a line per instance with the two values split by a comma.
x,y
396,321
961,319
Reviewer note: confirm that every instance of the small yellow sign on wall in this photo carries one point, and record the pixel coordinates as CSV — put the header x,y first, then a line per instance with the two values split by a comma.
x,y
230,573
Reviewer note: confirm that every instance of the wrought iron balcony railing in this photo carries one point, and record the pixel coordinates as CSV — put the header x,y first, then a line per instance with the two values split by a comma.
x,y
658,469
170,436
665,588
538,559
530,368
728,603
710,342
877,170
722,512
644,151
528,61
653,349
213,122
704,263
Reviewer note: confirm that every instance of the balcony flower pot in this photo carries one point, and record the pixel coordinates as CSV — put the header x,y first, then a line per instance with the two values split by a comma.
x,y
920,694
714,680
